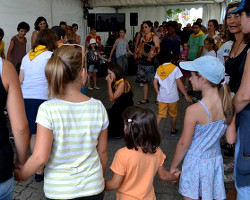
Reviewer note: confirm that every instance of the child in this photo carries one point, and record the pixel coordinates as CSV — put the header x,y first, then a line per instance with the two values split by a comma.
x,y
121,96
205,123
135,165
168,76
71,133
210,46
93,57
121,46
183,57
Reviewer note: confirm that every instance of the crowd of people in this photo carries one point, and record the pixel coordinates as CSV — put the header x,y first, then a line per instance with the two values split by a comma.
x,y
44,92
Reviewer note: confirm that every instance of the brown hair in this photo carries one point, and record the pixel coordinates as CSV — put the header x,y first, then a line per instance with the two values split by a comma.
x,y
211,41
141,129
63,67
47,38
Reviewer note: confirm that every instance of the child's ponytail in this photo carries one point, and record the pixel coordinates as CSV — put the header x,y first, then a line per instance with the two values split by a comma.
x,y
228,108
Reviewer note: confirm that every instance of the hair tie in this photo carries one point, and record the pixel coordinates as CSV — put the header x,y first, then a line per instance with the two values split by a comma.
x,y
223,83
130,120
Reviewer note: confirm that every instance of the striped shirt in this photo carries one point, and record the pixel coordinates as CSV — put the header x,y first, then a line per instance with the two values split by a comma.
x,y
74,168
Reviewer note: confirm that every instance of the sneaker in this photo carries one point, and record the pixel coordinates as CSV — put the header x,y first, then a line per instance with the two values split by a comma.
x,y
97,88
229,167
229,178
141,84
90,88
173,134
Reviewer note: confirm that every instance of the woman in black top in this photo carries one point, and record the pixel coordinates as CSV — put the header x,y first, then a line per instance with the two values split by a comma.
x,y
238,68
11,96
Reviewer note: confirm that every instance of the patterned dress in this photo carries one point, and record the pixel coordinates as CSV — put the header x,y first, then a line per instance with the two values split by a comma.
x,y
202,170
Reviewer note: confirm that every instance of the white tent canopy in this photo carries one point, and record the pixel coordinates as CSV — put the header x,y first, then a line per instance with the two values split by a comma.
x,y
13,12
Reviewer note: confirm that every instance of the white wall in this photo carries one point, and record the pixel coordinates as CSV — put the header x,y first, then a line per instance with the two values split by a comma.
x,y
12,12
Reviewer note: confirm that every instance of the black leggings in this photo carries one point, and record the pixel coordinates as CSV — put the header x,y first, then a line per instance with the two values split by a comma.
x,y
94,197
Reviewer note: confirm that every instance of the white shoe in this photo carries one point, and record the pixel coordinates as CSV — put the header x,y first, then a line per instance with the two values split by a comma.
x,y
97,88
90,88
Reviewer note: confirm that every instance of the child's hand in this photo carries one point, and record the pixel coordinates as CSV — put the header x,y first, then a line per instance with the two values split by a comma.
x,y
18,176
188,98
109,60
109,79
177,175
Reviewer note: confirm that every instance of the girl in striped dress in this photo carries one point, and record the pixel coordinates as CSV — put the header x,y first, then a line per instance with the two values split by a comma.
x,y
71,133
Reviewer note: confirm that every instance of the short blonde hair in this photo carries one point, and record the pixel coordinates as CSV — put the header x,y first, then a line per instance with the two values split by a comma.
x,y
63,67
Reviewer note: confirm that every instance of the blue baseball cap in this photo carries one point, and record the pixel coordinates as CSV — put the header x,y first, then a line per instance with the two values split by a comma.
x,y
244,5
208,66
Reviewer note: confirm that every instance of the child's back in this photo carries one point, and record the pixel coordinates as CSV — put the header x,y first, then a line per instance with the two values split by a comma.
x,y
167,74
138,169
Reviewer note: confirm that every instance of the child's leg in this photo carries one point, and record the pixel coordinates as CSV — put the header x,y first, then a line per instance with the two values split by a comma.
x,y
90,75
173,109
95,79
162,111
173,123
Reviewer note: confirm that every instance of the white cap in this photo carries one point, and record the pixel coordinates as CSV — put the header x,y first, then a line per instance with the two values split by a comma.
x,y
92,41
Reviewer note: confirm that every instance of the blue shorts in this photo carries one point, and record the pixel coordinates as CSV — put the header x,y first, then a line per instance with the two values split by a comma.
x,y
7,189
31,108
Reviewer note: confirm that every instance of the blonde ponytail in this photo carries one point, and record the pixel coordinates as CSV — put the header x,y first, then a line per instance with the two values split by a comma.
x,y
228,109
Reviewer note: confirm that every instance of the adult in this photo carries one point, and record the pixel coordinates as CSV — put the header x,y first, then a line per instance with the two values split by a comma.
x,y
120,94
148,48
40,24
2,55
241,103
11,96
33,81
213,26
203,28
95,36
171,41
17,48
63,25
61,34
196,42
156,26
74,36
187,31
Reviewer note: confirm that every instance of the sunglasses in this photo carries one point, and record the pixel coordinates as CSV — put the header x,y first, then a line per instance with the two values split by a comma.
x,y
79,48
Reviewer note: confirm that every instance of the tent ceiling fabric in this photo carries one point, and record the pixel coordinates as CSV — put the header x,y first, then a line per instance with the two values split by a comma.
x,y
124,3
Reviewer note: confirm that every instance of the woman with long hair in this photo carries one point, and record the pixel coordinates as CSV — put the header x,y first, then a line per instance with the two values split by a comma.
x,y
40,24
33,81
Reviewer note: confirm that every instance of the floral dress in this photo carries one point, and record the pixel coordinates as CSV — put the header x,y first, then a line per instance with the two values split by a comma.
x,y
202,170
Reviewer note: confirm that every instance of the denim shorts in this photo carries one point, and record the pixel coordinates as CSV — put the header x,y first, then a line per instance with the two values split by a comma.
x,y
7,189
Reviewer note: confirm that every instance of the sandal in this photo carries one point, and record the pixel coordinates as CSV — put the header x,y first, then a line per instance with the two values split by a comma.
x,y
144,101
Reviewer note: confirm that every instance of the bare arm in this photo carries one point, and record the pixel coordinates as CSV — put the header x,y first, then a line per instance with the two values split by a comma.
x,y
33,38
114,183
183,90
231,132
21,76
16,112
102,149
10,50
120,90
156,87
101,57
136,44
199,52
242,97
157,44
165,174
113,49
40,156
186,137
